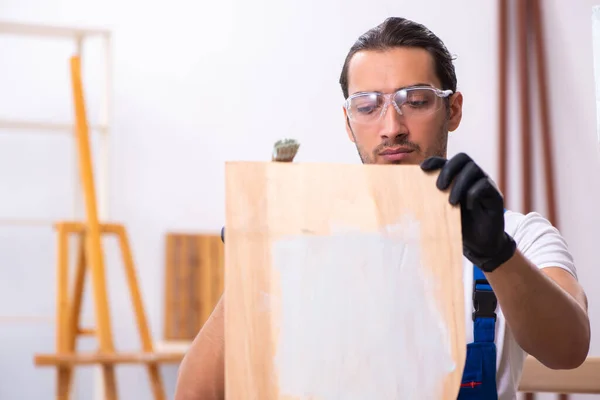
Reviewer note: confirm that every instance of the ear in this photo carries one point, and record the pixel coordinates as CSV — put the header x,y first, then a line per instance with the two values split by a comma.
x,y
456,103
348,128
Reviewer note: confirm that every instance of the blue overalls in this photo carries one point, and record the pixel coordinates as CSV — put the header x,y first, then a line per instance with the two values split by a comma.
x,y
479,375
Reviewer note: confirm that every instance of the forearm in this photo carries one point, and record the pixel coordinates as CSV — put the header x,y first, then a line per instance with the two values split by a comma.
x,y
202,371
547,321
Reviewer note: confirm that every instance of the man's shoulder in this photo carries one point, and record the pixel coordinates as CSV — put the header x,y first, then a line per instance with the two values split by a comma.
x,y
520,225
539,240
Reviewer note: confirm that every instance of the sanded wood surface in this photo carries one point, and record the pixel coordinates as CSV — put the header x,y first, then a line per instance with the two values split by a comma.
x,y
194,282
275,206
538,378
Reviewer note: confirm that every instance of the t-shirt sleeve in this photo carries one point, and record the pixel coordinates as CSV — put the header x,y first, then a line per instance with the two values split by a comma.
x,y
542,244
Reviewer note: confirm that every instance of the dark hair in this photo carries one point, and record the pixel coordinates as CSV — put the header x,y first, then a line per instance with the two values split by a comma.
x,y
401,32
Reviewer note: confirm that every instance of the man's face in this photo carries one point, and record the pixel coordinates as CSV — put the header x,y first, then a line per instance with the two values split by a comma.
x,y
394,138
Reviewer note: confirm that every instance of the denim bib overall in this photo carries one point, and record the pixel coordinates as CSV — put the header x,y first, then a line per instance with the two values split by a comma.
x,y
479,375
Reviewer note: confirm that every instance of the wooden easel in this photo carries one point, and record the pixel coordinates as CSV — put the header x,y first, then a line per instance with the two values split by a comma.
x,y
91,259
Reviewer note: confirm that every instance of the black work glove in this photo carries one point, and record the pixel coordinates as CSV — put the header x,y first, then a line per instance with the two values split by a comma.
x,y
485,243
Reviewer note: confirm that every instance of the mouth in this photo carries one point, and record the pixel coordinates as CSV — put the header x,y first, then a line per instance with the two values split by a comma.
x,y
396,154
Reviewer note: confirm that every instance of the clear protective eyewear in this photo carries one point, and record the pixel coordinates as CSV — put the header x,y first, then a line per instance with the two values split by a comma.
x,y
411,102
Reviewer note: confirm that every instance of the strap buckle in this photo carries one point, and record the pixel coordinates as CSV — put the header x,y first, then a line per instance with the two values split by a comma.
x,y
484,301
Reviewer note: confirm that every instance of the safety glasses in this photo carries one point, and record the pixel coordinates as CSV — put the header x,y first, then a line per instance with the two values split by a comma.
x,y
412,102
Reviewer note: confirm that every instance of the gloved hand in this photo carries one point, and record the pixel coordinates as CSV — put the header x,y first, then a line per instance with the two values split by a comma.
x,y
223,234
485,243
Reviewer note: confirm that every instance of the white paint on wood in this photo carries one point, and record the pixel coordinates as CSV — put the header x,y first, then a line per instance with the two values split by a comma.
x,y
353,319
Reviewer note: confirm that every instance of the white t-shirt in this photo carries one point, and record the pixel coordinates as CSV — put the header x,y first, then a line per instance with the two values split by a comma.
x,y
542,244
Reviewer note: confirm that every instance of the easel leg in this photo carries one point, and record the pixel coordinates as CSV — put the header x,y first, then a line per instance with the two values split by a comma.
x,y
110,383
93,245
142,323
63,335
103,326
75,310
63,387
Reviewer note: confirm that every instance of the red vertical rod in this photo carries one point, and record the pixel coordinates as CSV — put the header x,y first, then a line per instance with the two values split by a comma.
x,y
526,154
502,92
546,132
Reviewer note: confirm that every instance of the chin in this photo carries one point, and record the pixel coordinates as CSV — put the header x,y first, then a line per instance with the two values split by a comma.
x,y
399,162
407,161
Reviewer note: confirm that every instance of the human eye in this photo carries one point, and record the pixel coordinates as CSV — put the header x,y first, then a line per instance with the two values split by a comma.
x,y
420,99
366,105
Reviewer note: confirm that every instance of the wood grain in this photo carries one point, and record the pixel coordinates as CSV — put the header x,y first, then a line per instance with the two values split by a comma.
x,y
267,202
194,282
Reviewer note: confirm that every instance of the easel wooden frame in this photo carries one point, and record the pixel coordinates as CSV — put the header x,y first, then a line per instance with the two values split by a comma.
x,y
91,258
78,36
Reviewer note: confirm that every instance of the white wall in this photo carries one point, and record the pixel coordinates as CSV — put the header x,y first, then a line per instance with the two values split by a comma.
x,y
197,84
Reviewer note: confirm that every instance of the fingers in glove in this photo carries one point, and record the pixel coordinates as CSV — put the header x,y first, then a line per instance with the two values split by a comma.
x,y
433,163
482,189
451,170
470,174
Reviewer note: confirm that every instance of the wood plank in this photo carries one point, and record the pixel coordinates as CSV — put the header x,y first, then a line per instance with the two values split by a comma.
x,y
333,283
183,299
203,303
218,274
538,378
193,283
92,358
168,326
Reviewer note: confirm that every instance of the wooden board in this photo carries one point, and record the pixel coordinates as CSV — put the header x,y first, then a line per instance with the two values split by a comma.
x,y
193,282
537,378
341,282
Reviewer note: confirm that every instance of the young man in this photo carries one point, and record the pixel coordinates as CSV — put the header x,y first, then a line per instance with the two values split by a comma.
x,y
401,101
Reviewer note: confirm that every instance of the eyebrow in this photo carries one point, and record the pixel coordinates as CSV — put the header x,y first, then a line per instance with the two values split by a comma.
x,y
395,90
414,85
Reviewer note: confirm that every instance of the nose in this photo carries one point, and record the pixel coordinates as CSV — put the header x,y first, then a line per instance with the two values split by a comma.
x,y
392,123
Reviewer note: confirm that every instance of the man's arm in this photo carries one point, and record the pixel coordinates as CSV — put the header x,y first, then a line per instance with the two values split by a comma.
x,y
202,371
546,310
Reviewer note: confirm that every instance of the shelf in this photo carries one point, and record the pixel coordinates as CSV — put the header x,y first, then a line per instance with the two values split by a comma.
x,y
27,222
52,127
18,28
26,319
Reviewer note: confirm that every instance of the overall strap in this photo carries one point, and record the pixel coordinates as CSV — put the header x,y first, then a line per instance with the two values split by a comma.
x,y
479,375
484,304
